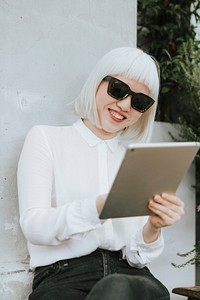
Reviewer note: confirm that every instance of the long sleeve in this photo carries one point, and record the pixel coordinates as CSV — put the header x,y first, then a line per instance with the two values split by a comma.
x,y
43,224
138,253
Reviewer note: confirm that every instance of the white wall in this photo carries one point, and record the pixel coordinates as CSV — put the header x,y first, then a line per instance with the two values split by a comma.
x,y
47,49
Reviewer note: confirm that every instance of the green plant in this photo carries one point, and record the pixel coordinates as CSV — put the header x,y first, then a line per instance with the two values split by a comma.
x,y
163,26
187,64
195,260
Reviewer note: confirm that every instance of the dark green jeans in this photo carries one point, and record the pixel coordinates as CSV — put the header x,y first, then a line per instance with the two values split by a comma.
x,y
101,275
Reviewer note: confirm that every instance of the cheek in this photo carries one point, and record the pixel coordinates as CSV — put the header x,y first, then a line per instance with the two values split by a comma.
x,y
135,116
101,100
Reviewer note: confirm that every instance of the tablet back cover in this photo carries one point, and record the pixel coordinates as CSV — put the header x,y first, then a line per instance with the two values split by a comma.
x,y
147,169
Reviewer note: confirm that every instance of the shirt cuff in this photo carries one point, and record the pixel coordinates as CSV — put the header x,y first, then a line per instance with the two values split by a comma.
x,y
137,242
139,254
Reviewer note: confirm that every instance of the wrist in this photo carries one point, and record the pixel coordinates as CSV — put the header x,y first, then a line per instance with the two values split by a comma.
x,y
150,232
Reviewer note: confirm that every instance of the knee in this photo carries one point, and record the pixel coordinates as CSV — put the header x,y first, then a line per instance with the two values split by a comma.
x,y
116,281
120,286
149,288
115,286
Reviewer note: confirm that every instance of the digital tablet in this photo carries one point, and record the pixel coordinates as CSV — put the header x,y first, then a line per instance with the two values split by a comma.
x,y
147,169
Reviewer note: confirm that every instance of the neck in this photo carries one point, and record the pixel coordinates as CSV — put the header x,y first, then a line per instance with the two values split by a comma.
x,y
99,132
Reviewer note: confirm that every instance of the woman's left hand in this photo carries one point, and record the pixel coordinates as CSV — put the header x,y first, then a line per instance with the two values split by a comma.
x,y
168,210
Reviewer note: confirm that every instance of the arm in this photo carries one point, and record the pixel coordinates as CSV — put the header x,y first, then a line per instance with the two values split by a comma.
x,y
147,244
42,223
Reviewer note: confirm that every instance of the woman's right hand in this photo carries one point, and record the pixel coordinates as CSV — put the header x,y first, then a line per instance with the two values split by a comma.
x,y
101,199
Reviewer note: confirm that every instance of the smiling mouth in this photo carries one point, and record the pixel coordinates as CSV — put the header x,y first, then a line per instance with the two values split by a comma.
x,y
116,116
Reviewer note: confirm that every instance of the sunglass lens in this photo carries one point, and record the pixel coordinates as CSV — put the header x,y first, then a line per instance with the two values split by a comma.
x,y
118,90
141,102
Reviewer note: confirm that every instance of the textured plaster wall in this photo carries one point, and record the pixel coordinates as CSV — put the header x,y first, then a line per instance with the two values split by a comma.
x,y
47,49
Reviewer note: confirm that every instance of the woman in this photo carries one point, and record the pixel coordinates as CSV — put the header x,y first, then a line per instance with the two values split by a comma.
x,y
64,175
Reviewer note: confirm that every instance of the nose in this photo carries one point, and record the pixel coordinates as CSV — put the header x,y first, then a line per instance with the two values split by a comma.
x,y
125,104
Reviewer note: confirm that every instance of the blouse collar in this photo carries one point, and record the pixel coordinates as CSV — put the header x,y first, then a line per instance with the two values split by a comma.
x,y
92,139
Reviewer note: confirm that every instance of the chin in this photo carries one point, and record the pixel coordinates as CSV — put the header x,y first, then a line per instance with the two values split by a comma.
x,y
112,128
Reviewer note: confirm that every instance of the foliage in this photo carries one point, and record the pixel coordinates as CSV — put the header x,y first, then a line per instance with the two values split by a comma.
x,y
187,65
163,26
195,260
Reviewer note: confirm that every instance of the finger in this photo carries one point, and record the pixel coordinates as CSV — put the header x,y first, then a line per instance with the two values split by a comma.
x,y
168,210
170,204
173,199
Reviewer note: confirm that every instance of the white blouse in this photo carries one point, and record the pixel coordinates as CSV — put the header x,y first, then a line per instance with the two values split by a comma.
x,y
61,172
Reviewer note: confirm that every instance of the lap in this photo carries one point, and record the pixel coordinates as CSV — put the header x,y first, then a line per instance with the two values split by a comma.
x,y
57,292
101,274
134,287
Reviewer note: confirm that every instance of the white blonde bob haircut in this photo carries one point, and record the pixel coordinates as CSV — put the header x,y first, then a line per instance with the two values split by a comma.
x,y
134,64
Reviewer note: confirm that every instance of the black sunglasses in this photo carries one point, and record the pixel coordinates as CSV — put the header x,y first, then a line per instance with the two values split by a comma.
x,y
120,90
